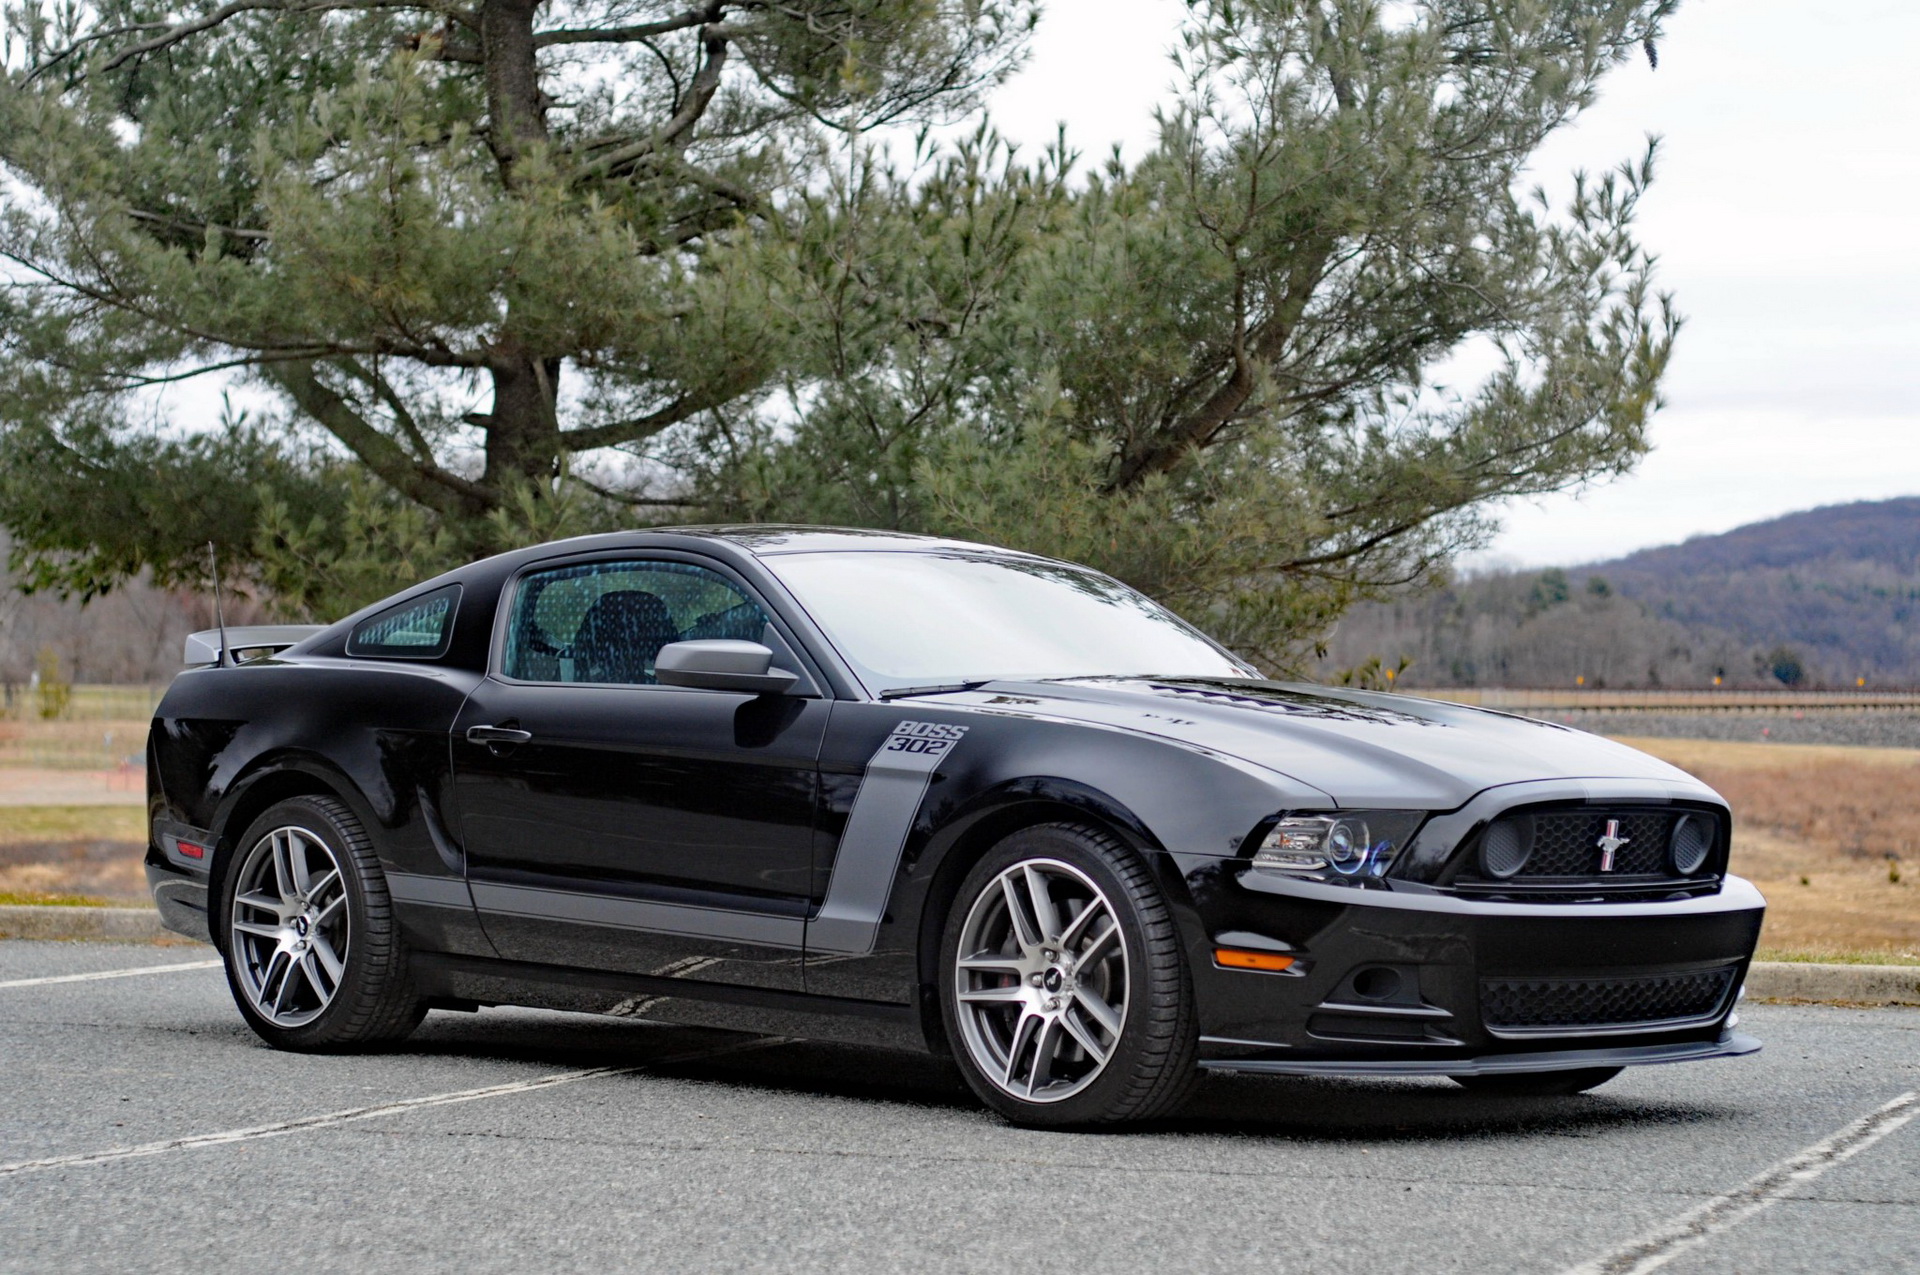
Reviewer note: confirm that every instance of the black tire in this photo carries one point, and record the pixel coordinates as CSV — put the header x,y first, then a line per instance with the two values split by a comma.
x,y
372,1000
1540,1084
1148,1066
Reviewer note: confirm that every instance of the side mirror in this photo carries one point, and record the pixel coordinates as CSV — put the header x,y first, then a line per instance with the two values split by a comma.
x,y
721,664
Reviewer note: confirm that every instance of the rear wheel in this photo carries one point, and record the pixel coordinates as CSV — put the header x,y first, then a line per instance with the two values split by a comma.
x,y
313,954
1065,994
1540,1084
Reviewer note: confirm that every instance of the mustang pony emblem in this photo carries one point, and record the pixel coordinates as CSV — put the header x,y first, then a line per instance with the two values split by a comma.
x,y
1609,843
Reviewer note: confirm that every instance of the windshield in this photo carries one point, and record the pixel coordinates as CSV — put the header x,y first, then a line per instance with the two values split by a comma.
x,y
908,619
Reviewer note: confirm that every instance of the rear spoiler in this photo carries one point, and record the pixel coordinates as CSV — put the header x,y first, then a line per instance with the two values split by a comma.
x,y
203,648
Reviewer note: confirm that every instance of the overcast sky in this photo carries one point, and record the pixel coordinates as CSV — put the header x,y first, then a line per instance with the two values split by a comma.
x,y
1783,213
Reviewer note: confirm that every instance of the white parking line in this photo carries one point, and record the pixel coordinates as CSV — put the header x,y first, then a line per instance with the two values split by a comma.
x,y
127,973
1723,1212
283,1127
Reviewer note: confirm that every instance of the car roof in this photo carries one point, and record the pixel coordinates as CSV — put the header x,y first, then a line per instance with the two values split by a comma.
x,y
765,539
755,539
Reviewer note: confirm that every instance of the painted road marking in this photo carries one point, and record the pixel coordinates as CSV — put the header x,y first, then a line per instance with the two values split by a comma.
x,y
1696,1226
284,1127
127,973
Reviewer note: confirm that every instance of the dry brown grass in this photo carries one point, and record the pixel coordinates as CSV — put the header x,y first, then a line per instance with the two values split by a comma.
x,y
63,853
21,825
1813,827
1830,834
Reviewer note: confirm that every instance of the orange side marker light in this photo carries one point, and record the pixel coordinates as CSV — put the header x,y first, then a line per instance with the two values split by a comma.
x,y
1235,959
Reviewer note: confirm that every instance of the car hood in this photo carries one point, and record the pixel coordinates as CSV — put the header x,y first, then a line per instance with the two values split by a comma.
x,y
1360,748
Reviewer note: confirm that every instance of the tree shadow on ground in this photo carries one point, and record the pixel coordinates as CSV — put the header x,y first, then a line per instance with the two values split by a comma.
x,y
1320,1110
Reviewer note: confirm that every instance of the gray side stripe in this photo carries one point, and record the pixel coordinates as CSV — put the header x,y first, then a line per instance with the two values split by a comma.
x,y
639,914
439,892
870,849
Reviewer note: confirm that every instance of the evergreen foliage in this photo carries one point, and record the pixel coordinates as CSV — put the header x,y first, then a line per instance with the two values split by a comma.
x,y
512,269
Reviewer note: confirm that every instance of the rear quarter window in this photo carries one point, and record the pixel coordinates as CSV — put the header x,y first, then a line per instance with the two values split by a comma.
x,y
418,629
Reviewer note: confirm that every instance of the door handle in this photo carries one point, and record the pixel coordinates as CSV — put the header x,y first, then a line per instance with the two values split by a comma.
x,y
497,735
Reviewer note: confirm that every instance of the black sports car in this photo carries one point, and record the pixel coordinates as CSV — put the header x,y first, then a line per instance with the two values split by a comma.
x,y
915,792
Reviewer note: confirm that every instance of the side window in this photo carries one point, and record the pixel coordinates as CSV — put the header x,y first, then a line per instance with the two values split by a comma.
x,y
606,621
418,629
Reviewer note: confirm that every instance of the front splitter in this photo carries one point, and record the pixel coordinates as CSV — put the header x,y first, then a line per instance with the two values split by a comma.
x,y
1731,1045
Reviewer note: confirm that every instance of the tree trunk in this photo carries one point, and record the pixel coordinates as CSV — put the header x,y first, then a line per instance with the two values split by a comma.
x,y
516,110
522,429
523,436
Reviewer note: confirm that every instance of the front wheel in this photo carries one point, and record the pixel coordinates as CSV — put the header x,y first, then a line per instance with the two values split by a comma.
x,y
1539,1084
1064,990
313,952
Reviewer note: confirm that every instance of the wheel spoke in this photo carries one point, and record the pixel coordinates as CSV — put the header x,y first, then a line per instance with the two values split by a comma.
x,y
1099,1010
282,869
329,959
1045,1052
266,976
1095,1050
325,914
286,983
1098,945
311,969
1044,912
990,963
254,899
1022,1037
297,863
258,930
1023,930
1078,929
994,995
324,882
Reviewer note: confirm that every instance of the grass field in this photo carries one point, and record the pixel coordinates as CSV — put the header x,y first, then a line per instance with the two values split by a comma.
x,y
1831,834
96,744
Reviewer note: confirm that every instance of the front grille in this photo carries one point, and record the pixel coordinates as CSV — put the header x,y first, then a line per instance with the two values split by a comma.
x,y
1566,843
1563,855
1556,1005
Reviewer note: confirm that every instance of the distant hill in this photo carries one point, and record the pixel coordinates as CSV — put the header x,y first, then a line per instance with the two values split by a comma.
x,y
1821,597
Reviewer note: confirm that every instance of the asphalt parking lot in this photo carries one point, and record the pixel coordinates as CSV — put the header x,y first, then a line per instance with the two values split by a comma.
x,y
144,1127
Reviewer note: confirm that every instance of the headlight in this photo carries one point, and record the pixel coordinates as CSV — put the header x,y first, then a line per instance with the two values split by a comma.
x,y
1351,846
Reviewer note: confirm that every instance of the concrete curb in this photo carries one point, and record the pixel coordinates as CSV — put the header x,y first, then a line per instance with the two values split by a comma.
x,y
1766,980
113,925
1844,984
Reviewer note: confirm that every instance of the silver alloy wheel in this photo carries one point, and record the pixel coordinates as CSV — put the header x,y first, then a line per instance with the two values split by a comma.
x,y
1040,981
290,926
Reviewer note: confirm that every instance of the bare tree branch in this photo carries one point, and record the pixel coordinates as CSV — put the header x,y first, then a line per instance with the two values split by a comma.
x,y
706,82
631,34
423,481
174,34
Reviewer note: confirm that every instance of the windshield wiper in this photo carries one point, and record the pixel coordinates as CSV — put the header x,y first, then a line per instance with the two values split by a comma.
x,y
950,688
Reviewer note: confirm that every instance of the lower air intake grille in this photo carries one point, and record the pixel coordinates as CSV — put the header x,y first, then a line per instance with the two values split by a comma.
x,y
1526,1005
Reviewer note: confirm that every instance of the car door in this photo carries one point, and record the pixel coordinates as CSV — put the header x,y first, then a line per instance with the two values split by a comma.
x,y
613,823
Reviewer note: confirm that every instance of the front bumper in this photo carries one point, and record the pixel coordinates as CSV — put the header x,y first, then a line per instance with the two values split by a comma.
x,y
1412,981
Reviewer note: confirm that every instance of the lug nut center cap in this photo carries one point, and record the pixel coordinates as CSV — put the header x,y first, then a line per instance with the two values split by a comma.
x,y
300,926
1053,980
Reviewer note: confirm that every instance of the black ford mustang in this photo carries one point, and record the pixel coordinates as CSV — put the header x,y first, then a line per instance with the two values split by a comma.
x,y
893,790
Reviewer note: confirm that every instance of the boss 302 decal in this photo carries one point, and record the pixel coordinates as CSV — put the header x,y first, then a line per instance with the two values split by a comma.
x,y
883,811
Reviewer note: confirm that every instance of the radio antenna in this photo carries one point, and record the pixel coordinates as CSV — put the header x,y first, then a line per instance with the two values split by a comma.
x,y
219,612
